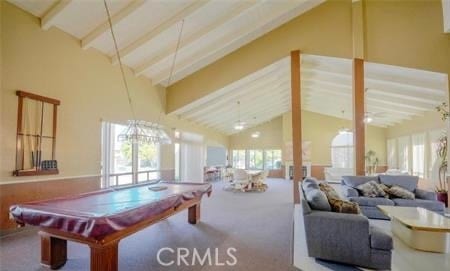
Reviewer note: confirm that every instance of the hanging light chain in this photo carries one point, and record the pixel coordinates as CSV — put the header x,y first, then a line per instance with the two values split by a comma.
x,y
120,60
175,54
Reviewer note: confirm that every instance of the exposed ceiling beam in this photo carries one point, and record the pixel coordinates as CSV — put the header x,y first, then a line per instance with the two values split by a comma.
x,y
245,94
229,120
231,112
422,97
89,39
347,104
325,82
407,89
220,45
418,105
49,19
159,29
260,122
270,114
166,52
264,74
247,115
370,81
332,113
329,105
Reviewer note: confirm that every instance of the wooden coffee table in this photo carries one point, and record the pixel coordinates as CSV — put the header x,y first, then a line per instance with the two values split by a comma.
x,y
419,228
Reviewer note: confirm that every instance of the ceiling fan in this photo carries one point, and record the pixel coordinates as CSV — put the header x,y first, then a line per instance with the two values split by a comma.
x,y
369,116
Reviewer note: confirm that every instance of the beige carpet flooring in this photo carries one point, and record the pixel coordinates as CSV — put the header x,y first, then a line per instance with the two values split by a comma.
x,y
258,225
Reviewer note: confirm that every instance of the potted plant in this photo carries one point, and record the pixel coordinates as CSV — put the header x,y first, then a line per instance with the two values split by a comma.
x,y
441,189
371,162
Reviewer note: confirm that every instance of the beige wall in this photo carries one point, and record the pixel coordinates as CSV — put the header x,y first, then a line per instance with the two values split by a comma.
x,y
404,33
271,136
321,129
51,63
429,121
407,33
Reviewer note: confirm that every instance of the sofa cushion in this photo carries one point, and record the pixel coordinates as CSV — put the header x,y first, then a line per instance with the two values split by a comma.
x,y
354,181
379,239
400,192
407,182
424,194
366,201
432,205
309,183
317,200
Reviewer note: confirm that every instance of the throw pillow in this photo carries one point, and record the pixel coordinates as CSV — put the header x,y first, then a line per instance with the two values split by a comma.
x,y
385,189
367,189
317,200
371,189
329,191
379,189
343,206
401,192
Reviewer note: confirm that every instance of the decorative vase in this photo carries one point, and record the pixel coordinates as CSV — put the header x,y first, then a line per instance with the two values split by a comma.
x,y
443,197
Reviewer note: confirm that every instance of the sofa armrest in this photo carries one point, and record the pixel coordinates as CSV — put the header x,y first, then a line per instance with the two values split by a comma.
x,y
329,232
424,194
348,191
379,239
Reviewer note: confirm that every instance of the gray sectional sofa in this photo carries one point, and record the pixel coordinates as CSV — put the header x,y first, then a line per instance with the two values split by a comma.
x,y
341,237
424,199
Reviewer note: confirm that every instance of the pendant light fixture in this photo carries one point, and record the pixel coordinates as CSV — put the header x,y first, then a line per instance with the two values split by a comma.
x,y
255,134
343,130
368,117
239,125
138,131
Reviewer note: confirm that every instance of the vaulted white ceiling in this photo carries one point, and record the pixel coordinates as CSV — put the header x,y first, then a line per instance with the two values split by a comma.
x,y
147,30
393,94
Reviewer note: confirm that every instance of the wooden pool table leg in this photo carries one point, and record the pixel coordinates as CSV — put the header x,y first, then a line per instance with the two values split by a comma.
x,y
53,251
194,214
105,258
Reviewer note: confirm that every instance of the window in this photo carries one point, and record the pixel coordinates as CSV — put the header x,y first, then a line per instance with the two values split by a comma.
x,y
433,167
272,159
124,163
392,153
238,158
342,151
255,159
403,153
418,155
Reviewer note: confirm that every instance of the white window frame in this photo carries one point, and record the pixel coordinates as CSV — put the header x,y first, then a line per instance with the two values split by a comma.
x,y
273,161
233,155
248,159
349,151
106,160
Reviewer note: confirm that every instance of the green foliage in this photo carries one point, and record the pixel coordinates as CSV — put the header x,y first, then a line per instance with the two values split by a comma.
x,y
147,153
126,150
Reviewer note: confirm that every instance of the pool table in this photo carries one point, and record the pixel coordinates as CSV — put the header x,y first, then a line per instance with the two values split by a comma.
x,y
101,219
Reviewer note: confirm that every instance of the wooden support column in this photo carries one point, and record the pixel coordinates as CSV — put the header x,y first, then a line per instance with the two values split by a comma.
x,y
358,116
296,123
